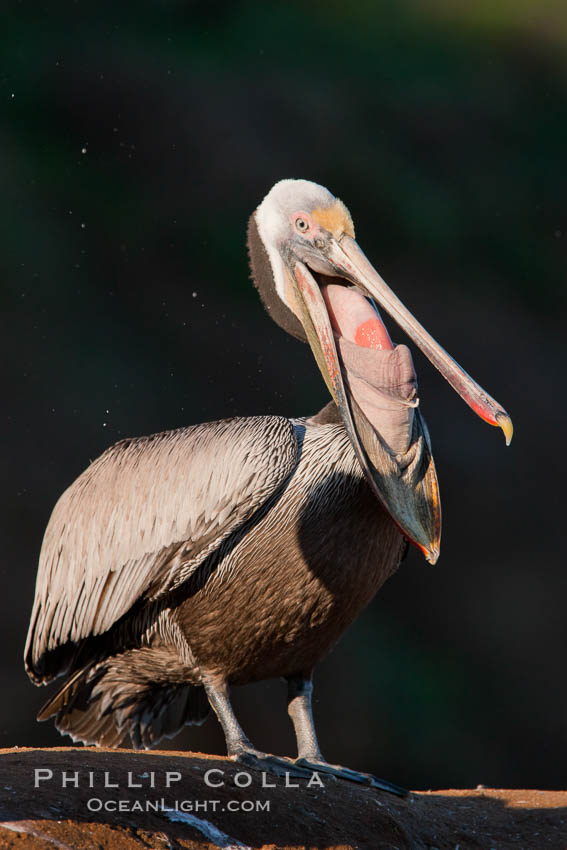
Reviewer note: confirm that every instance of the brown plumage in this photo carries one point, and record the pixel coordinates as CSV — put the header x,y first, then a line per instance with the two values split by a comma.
x,y
185,562
261,592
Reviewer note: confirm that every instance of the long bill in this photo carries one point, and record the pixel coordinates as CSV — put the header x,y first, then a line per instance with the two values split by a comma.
x,y
350,261
406,486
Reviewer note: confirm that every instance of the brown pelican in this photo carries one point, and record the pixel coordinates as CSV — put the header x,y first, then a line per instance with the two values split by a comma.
x,y
182,563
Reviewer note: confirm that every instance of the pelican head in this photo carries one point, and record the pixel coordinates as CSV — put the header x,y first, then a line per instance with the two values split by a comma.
x,y
318,285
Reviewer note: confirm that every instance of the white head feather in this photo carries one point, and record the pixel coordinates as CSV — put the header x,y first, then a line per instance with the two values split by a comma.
x,y
272,218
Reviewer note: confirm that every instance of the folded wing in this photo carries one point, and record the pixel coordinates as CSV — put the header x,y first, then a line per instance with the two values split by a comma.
x,y
142,517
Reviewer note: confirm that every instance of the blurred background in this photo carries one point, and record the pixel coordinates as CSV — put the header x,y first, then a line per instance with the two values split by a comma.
x,y
135,140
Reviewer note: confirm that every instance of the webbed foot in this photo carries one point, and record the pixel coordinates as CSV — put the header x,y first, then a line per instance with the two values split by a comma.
x,y
276,765
352,775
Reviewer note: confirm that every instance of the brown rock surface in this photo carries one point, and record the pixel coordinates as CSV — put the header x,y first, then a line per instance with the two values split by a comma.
x,y
37,811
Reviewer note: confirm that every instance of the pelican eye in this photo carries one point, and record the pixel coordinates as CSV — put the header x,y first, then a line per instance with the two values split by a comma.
x,y
302,225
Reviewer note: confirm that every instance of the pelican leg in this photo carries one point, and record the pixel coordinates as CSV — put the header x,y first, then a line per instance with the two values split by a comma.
x,y
238,745
236,740
300,689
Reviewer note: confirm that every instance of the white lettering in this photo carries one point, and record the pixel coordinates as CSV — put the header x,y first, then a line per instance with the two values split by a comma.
x,y
247,779
41,774
171,776
209,782
131,783
107,782
70,779
94,804
315,780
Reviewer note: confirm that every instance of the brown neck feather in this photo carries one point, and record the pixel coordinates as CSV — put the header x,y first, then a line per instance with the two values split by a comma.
x,y
328,415
263,278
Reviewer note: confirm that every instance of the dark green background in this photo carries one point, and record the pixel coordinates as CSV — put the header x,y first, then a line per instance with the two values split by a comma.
x,y
135,140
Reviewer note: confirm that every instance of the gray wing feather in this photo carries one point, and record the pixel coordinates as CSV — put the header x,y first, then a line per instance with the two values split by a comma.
x,y
142,517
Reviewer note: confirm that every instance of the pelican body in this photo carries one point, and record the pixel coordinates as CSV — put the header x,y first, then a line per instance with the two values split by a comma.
x,y
183,563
